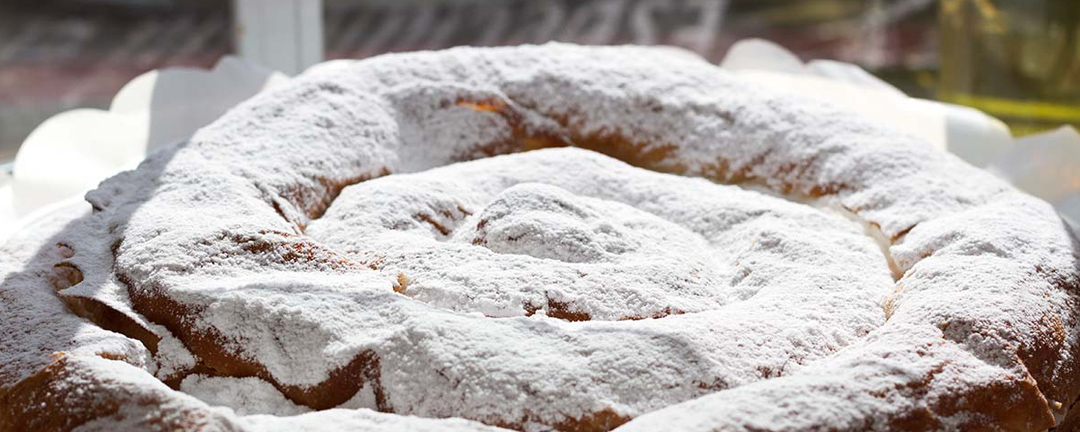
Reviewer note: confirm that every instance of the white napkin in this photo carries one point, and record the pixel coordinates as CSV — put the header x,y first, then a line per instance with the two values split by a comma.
x,y
71,152
1046,165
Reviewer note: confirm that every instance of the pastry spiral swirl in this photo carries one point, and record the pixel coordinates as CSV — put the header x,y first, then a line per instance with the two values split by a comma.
x,y
553,238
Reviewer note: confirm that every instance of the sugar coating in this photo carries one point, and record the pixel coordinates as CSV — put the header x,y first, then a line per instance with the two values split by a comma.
x,y
35,322
709,306
607,242
595,235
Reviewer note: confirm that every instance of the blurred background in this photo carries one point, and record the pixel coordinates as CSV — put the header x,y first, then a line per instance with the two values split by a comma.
x,y
1015,59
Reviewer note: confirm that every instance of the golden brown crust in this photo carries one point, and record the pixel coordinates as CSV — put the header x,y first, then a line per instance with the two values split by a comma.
x,y
40,403
67,394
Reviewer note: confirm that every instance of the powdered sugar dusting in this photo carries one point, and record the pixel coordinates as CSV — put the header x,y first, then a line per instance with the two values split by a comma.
x,y
246,396
34,322
562,289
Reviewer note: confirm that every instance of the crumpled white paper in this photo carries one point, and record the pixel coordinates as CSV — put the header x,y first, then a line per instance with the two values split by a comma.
x,y
1046,165
969,133
71,152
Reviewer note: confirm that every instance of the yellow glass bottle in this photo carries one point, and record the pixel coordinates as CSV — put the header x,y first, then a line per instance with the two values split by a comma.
x,y
1018,60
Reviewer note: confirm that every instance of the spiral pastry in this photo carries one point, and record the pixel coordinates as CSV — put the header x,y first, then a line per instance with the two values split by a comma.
x,y
543,238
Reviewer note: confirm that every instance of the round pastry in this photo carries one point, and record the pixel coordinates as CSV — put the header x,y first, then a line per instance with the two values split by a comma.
x,y
672,248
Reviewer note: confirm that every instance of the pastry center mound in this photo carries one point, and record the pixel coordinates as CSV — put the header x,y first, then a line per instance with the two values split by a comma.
x,y
578,236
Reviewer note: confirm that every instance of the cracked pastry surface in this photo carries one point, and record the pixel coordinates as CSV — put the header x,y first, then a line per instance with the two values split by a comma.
x,y
333,244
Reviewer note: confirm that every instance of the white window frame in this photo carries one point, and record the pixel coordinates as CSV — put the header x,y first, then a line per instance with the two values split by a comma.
x,y
284,35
